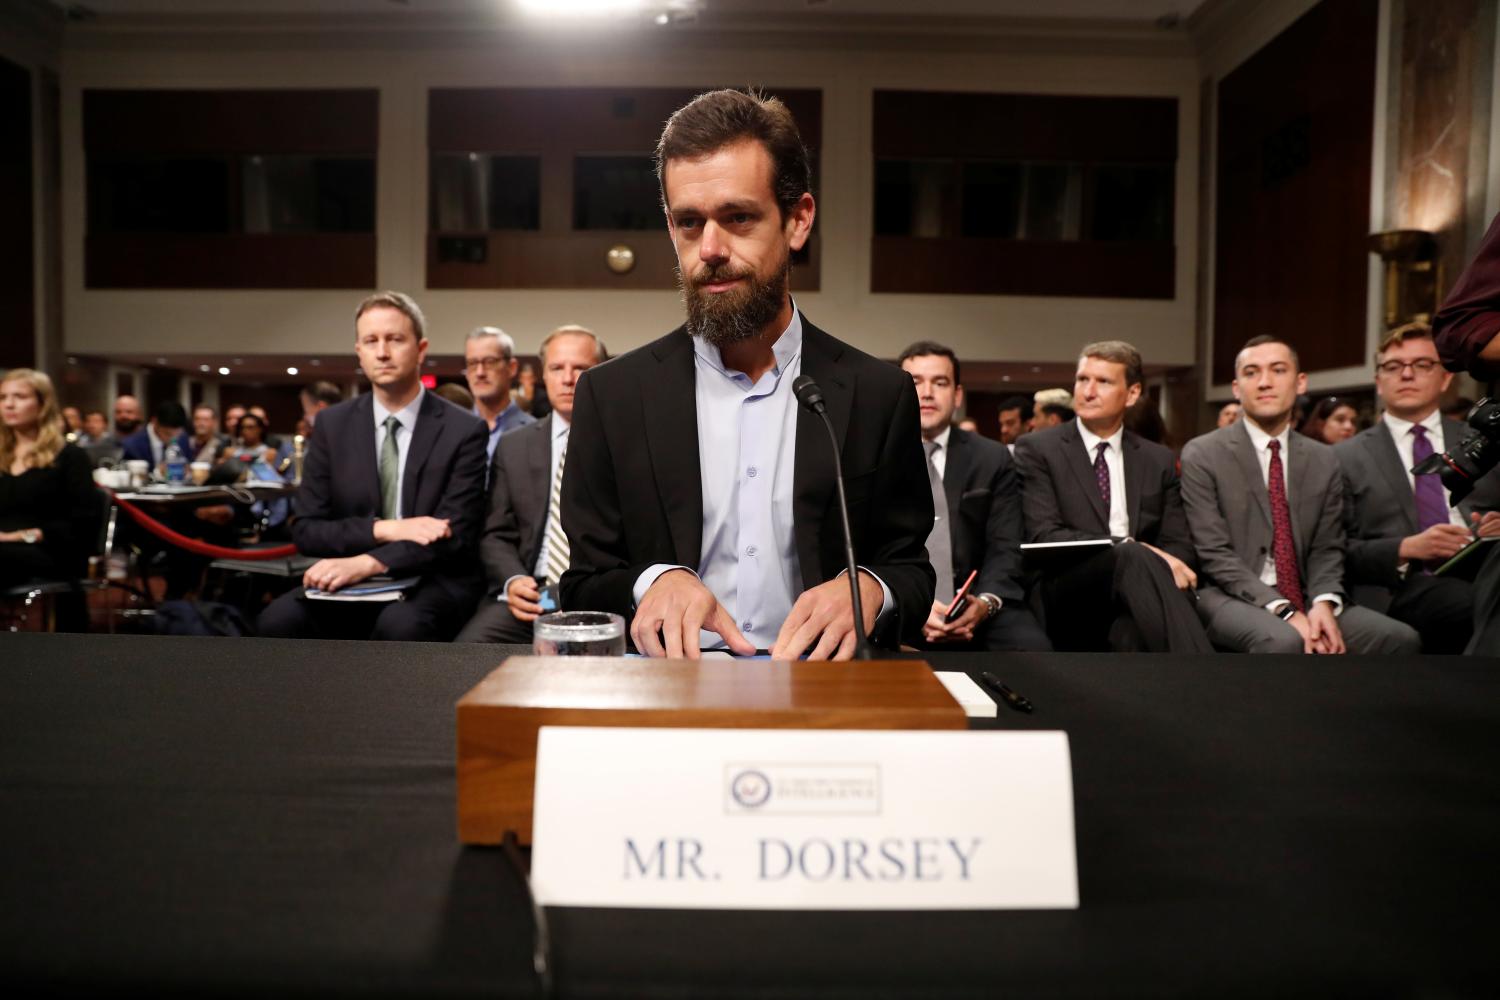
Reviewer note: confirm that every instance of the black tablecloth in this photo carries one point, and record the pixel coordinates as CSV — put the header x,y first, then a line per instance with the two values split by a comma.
x,y
264,816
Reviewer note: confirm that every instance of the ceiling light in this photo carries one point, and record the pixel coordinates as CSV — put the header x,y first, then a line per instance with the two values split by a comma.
x,y
291,371
223,371
663,18
205,369
579,8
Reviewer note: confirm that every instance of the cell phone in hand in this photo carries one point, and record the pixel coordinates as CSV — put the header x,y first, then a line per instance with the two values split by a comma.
x,y
956,609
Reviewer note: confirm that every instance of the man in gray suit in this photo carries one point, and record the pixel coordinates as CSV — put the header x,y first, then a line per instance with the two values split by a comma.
x,y
1265,508
524,549
1402,526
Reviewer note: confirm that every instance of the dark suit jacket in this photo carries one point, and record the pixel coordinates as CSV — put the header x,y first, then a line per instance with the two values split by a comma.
x,y
1380,508
338,501
1229,512
632,492
984,514
1060,495
520,480
138,447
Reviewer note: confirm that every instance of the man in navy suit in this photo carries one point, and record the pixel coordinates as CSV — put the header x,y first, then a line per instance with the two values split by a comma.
x,y
149,444
393,484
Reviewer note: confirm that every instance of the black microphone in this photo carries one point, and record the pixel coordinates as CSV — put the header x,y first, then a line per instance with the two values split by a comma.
x,y
811,397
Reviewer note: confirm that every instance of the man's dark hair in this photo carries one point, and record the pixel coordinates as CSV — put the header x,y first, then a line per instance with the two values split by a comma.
x,y
930,348
169,413
711,121
1267,338
1058,410
1022,403
323,391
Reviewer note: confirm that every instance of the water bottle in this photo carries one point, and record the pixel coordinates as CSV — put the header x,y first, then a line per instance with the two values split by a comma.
x,y
176,463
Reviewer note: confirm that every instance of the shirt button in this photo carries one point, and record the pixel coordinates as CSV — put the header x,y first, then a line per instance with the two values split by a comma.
x,y
750,551
750,472
745,626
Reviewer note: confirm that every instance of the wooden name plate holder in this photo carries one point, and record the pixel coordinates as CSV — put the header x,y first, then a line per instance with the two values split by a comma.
x,y
498,720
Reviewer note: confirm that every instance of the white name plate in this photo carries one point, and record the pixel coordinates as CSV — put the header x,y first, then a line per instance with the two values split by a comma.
x,y
803,819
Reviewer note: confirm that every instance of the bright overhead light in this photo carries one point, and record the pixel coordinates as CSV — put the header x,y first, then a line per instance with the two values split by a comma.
x,y
580,8
663,18
223,371
291,371
205,369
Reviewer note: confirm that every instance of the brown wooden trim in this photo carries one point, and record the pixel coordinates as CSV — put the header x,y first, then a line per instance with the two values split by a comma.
x,y
229,122
960,266
278,260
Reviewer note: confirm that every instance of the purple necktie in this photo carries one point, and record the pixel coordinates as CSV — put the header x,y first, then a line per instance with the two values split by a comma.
x,y
1431,507
1101,473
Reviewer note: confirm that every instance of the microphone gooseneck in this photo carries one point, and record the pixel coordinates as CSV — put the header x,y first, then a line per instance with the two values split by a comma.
x,y
811,398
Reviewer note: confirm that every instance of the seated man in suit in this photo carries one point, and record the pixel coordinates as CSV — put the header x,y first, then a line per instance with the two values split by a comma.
x,y
1402,526
149,444
393,484
698,492
1092,479
977,502
524,548
1266,509
1015,420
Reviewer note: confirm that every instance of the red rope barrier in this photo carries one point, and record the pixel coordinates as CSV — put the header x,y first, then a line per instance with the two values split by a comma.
x,y
182,541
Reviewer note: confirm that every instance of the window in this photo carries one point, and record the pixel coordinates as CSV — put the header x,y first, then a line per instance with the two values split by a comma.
x,y
484,192
616,192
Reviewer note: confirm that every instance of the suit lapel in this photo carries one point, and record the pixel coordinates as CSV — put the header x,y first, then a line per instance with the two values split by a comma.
x,y
813,482
1386,457
956,468
671,420
1304,509
364,445
1083,471
538,485
1244,453
429,428
1135,478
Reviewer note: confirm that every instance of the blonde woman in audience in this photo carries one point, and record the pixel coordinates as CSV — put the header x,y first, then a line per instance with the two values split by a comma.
x,y
48,504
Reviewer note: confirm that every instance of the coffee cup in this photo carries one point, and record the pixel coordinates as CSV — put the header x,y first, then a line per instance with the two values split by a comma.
x,y
200,472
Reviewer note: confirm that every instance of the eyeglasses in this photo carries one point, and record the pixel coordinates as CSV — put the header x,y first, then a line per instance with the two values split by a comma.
x,y
1421,366
483,363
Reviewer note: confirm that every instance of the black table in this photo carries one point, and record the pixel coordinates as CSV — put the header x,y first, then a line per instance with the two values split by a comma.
x,y
264,816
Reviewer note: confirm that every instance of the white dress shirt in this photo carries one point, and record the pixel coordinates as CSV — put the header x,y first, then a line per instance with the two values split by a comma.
x,y
1114,460
407,418
940,453
1401,433
1261,440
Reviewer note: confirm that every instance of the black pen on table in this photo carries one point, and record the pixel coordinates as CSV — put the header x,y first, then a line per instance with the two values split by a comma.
x,y
1014,699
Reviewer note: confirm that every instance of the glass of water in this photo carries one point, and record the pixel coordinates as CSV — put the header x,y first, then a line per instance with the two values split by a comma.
x,y
579,633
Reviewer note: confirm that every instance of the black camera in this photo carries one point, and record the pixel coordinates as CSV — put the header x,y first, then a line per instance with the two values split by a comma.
x,y
1476,454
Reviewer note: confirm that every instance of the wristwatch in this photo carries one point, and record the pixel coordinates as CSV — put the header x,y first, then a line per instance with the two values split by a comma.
x,y
30,536
1286,611
992,603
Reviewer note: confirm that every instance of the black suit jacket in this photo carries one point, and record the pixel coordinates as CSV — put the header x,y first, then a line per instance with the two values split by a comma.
x,y
632,491
1060,494
1380,508
520,481
338,501
984,514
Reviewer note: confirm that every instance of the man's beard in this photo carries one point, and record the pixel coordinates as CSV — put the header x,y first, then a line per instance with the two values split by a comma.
x,y
727,318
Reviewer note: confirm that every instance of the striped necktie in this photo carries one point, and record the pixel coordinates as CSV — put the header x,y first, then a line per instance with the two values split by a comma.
x,y
557,540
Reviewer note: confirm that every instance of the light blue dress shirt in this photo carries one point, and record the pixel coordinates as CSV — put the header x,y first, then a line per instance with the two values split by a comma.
x,y
407,418
509,419
747,434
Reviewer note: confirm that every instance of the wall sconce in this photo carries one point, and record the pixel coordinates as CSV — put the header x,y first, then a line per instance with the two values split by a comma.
x,y
1413,274
620,258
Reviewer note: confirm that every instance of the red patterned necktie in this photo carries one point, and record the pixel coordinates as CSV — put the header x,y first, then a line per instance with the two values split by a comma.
x,y
1288,577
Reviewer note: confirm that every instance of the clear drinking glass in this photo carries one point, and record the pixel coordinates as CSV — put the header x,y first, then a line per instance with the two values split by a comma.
x,y
579,633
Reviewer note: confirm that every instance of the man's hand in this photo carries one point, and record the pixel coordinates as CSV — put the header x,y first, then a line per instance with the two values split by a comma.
x,y
524,596
422,530
1486,525
1441,541
825,615
1304,628
1327,638
332,575
962,629
672,611
1182,574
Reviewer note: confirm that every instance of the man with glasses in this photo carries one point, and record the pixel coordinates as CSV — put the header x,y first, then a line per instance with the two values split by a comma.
x,y
490,368
1400,526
